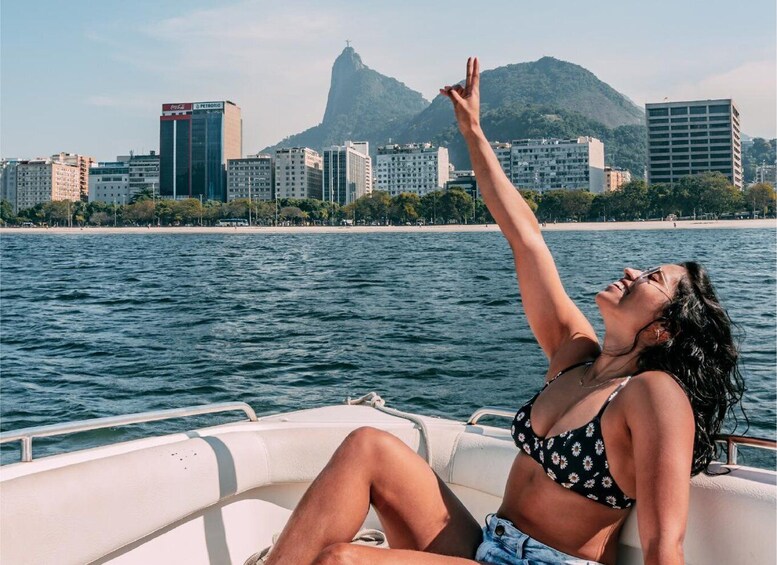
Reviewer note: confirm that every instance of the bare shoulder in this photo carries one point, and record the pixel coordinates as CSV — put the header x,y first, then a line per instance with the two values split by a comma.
x,y
657,397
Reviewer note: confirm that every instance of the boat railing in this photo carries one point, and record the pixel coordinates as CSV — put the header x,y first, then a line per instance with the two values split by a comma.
x,y
732,442
26,435
489,411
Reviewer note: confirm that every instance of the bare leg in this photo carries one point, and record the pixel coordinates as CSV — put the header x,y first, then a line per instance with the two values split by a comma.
x,y
347,554
417,510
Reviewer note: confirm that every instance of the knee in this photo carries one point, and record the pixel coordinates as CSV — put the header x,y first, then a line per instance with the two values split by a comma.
x,y
367,441
337,554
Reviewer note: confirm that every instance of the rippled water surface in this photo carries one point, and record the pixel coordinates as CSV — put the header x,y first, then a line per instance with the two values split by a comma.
x,y
99,325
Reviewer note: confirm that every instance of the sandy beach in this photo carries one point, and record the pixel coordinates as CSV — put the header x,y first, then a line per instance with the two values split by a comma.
x,y
584,226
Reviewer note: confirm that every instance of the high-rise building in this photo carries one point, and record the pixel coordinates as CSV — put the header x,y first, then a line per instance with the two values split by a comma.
x,y
143,174
298,173
8,170
692,137
46,180
347,172
84,163
109,181
614,178
195,141
251,177
416,167
549,164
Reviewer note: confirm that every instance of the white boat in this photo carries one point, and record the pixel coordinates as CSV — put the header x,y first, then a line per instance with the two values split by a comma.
x,y
216,495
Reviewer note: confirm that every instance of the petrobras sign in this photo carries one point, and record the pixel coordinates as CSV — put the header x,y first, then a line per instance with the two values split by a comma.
x,y
179,107
208,106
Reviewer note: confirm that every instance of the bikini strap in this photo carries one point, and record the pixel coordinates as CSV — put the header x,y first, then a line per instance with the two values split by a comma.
x,y
562,371
613,394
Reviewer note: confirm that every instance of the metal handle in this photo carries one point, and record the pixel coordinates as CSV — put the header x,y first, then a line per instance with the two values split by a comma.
x,y
489,411
732,442
25,435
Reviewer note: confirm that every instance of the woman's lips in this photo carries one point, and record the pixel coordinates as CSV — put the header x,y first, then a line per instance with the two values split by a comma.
x,y
620,286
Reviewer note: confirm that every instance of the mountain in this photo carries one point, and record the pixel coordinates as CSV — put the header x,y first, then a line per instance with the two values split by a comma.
x,y
362,105
544,98
547,82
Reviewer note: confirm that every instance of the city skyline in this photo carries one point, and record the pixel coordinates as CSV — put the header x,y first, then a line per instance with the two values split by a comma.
x,y
95,80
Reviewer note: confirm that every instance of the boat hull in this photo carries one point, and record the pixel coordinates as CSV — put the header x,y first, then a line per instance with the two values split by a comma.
x,y
218,494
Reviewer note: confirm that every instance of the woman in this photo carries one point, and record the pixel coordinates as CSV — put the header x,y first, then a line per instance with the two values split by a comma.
x,y
654,393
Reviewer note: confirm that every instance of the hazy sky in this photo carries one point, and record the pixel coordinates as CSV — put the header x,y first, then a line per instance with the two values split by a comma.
x,y
90,76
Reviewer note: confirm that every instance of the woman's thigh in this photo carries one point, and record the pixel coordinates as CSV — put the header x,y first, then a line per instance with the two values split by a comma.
x,y
345,554
416,508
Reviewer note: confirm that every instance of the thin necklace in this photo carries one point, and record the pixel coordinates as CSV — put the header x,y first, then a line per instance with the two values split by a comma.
x,y
580,379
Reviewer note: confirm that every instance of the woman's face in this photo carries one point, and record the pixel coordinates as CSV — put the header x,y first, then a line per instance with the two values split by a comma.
x,y
629,304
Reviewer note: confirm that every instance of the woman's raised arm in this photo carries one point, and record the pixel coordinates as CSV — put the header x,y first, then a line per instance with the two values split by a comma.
x,y
553,317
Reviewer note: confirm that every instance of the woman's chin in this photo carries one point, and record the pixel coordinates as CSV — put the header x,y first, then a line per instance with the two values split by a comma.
x,y
605,299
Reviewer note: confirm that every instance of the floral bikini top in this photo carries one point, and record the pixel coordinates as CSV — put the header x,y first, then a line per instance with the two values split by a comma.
x,y
575,459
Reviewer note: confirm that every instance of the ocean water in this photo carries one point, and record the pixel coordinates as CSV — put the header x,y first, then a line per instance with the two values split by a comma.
x,y
100,325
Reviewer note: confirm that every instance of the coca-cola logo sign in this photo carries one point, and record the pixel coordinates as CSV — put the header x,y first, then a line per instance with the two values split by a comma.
x,y
178,107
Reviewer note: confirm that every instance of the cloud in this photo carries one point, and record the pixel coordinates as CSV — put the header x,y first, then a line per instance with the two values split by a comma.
x,y
751,85
246,38
272,59
127,101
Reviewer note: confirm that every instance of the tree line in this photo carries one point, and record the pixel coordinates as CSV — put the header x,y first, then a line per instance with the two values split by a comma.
x,y
708,195
704,195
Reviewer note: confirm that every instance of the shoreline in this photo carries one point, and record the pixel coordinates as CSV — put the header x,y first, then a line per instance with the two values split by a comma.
x,y
450,228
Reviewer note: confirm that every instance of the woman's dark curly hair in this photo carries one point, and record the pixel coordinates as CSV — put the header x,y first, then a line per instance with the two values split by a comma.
x,y
701,354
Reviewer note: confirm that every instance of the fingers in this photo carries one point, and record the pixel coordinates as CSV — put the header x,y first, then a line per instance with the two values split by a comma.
x,y
476,75
468,82
454,95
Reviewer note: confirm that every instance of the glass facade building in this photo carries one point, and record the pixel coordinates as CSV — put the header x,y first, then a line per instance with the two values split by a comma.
x,y
195,142
347,172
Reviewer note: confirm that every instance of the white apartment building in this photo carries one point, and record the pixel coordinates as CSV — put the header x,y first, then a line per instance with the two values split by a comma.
x,y
692,137
143,174
298,173
347,172
251,177
549,164
503,152
415,167
109,181
8,169
766,173
46,180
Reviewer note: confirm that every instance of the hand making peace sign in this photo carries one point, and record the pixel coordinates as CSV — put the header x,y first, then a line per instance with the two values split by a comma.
x,y
466,99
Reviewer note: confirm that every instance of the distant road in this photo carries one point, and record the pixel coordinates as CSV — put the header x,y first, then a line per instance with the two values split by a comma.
x,y
572,226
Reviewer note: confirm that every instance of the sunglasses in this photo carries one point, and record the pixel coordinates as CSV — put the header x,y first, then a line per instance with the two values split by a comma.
x,y
654,277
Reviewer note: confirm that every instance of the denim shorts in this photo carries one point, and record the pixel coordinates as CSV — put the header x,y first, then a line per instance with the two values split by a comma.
x,y
504,544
